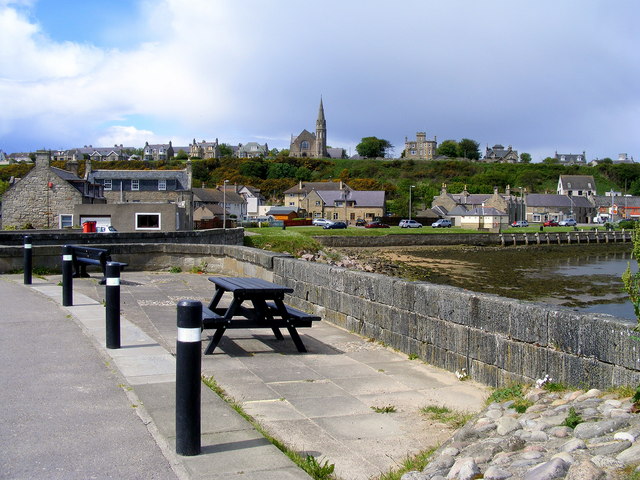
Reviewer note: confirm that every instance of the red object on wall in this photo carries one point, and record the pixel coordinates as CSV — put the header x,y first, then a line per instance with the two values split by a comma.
x,y
88,227
50,184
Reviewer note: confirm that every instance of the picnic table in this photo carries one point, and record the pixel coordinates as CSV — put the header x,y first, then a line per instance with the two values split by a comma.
x,y
256,303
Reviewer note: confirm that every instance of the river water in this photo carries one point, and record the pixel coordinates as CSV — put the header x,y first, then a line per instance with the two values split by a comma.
x,y
585,278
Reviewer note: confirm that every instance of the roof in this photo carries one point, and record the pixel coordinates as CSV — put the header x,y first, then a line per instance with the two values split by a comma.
x,y
362,198
473,199
577,182
621,201
306,187
213,195
335,152
485,211
458,210
180,175
552,200
281,210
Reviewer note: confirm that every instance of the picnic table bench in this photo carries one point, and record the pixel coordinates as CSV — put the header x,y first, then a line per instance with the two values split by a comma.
x,y
83,256
265,309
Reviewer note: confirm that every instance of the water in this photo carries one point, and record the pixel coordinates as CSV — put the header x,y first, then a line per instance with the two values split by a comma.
x,y
586,278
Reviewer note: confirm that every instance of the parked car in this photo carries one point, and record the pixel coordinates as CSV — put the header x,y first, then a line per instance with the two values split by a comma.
x,y
441,223
376,225
331,225
550,223
107,229
520,223
410,224
569,222
360,222
321,222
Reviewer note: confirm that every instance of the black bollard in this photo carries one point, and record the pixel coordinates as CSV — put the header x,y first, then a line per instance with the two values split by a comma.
x,y
28,260
112,297
188,381
67,276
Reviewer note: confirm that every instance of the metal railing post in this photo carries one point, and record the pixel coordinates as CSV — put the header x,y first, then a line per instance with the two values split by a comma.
x,y
28,259
67,276
112,298
188,377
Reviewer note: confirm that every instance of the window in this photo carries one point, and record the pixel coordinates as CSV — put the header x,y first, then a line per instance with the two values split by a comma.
x,y
536,217
135,184
317,214
292,204
304,145
339,203
66,220
335,216
162,184
318,203
147,221
107,184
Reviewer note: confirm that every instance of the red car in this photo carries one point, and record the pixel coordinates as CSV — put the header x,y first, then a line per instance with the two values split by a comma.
x,y
550,223
376,225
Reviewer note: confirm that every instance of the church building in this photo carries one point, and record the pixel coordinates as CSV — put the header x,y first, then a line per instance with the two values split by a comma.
x,y
312,145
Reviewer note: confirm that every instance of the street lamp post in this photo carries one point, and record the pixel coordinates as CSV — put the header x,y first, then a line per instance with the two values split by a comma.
x,y
224,204
410,189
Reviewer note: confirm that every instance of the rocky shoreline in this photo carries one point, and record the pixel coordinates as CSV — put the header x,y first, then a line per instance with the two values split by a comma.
x,y
500,443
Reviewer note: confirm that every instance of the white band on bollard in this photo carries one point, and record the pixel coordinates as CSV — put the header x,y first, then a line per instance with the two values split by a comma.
x,y
67,258
113,282
27,245
189,335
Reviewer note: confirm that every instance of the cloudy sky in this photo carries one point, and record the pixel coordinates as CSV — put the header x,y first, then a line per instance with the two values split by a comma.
x,y
541,75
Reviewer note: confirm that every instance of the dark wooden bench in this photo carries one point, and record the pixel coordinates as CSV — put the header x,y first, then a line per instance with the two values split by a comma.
x,y
84,256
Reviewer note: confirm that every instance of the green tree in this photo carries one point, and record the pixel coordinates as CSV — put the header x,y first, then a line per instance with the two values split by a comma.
x,y
468,148
373,147
254,168
448,148
181,155
525,157
551,161
281,170
304,174
225,150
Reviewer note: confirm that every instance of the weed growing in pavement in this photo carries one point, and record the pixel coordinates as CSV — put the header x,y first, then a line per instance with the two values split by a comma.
x,y
415,463
453,418
175,269
387,409
572,420
413,356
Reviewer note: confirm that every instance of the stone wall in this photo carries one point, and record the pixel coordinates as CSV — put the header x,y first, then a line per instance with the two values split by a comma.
x,y
497,340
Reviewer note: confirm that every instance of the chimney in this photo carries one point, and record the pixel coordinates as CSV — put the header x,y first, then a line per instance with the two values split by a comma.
x,y
72,166
87,169
341,185
507,190
43,158
495,190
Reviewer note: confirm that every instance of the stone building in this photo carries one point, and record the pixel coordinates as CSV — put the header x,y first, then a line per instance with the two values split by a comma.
x,y
46,196
345,205
576,185
204,149
294,196
506,202
571,158
252,150
313,145
421,148
499,154
157,152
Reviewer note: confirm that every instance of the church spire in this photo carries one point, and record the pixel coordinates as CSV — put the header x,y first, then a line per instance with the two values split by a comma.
x,y
321,134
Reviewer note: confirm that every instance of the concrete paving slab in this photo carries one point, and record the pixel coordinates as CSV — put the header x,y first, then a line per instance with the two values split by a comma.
x,y
370,384
318,389
335,406
274,409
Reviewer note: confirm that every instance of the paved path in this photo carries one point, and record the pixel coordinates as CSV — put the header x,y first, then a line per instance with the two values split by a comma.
x,y
64,412
319,402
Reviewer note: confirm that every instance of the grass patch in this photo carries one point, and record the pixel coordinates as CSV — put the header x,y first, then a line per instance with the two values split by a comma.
x,y
623,391
386,409
521,404
315,469
504,394
283,241
453,418
415,463
175,270
572,420
202,268
41,271
630,472
413,356
555,387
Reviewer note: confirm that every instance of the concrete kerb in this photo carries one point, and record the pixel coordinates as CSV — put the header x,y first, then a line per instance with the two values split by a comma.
x,y
232,448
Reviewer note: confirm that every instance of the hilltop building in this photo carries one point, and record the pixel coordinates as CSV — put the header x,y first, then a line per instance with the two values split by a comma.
x,y
571,158
576,185
204,149
421,148
499,154
252,150
312,145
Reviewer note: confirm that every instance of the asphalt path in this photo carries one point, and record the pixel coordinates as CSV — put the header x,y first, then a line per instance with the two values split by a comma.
x,y
65,413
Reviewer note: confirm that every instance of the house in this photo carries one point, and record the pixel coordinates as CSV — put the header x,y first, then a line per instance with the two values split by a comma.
x,y
45,197
336,152
576,185
3,158
283,213
252,150
499,154
617,206
346,205
115,153
204,149
158,152
227,200
421,148
21,157
571,159
484,218
542,207
137,216
313,145
142,187
253,198
507,202
294,196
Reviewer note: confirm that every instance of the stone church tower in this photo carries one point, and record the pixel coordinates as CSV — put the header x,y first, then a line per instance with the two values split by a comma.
x,y
321,134
311,145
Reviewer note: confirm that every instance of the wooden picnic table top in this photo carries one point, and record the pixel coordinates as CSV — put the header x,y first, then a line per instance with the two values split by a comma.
x,y
245,285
